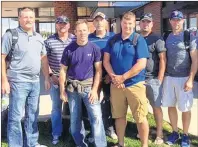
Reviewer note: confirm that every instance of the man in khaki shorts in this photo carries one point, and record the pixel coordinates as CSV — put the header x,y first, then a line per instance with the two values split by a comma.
x,y
125,58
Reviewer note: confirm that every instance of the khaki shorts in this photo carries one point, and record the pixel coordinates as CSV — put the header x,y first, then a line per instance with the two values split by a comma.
x,y
134,96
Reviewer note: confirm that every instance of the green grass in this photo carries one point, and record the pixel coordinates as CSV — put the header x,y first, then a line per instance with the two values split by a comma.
x,y
130,137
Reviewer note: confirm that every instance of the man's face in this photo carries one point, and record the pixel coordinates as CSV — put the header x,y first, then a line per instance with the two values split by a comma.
x,y
27,19
176,24
82,32
128,25
146,25
99,23
62,27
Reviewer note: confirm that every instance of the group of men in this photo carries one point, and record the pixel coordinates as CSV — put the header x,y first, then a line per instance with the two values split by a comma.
x,y
130,69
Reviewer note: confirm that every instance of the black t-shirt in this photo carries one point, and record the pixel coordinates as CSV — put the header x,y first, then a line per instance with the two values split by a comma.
x,y
156,45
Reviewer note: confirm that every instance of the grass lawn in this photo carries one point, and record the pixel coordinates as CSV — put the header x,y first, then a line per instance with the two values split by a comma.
x,y
130,137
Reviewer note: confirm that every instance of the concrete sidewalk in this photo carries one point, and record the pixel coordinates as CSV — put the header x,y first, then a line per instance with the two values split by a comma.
x,y
46,106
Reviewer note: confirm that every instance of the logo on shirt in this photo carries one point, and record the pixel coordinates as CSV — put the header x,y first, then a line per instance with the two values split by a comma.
x,y
89,55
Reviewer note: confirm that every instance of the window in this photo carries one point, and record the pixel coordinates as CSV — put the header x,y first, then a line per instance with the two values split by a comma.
x,y
46,11
193,22
84,11
9,23
47,29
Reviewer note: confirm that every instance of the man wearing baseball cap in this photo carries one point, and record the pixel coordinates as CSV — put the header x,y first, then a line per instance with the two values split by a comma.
x,y
55,45
100,37
178,82
155,69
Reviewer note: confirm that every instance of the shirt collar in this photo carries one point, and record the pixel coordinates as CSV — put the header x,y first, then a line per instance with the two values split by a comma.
x,y
23,31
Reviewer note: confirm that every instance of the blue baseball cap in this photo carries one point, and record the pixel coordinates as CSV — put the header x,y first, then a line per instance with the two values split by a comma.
x,y
62,19
176,14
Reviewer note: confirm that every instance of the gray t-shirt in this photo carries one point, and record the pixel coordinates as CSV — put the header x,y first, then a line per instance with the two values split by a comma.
x,y
156,45
26,61
178,57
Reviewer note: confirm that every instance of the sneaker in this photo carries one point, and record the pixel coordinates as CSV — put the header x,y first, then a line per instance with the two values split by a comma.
x,y
173,138
55,140
111,133
185,141
39,145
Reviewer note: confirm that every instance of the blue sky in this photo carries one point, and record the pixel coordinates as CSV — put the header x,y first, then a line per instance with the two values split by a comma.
x,y
128,3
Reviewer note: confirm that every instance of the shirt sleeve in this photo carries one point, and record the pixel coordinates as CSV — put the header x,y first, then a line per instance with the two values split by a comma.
x,y
160,45
193,42
65,57
142,48
6,43
97,54
108,47
47,47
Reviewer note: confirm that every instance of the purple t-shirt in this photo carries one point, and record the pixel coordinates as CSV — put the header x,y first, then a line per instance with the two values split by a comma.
x,y
80,60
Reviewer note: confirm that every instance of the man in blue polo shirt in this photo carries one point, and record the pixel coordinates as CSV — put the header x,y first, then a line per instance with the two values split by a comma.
x,y
81,70
21,80
55,46
125,61
100,37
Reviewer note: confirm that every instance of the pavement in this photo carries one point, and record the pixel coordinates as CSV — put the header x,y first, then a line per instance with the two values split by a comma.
x,y
46,107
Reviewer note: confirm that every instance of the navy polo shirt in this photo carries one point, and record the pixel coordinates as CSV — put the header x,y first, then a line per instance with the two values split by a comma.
x,y
80,60
123,56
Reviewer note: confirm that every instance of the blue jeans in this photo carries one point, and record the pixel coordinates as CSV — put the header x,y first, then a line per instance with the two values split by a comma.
x,y
95,117
23,97
56,114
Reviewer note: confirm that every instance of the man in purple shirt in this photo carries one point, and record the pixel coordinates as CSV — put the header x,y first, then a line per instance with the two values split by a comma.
x,y
81,69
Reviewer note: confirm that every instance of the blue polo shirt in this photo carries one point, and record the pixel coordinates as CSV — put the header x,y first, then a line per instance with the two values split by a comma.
x,y
25,64
101,42
80,60
123,56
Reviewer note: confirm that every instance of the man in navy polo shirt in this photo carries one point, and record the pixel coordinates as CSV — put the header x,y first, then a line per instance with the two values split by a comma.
x,y
100,37
55,46
125,63
81,69
155,69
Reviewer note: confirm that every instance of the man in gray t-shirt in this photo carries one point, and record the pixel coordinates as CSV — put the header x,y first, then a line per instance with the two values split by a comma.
x,y
178,83
21,80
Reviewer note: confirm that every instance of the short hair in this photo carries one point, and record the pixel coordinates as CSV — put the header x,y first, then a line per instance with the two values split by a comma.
x,y
25,9
81,22
128,15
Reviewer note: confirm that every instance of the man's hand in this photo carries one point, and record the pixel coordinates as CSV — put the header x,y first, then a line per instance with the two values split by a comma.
x,y
47,84
64,97
93,95
54,80
188,85
107,79
5,87
121,86
118,80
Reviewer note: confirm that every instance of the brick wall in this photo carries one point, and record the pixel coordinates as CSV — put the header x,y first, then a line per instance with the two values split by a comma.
x,y
155,9
66,8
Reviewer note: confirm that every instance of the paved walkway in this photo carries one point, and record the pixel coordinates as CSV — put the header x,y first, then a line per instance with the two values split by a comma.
x,y
45,110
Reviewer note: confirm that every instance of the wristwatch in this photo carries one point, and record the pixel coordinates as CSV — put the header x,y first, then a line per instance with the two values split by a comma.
x,y
51,74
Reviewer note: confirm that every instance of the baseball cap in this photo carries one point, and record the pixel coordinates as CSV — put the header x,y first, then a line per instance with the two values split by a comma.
x,y
147,16
176,14
62,19
100,14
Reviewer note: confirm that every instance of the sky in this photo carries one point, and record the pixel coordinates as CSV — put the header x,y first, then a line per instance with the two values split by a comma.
x,y
128,3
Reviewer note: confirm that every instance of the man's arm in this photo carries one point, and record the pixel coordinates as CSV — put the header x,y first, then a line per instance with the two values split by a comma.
x,y
189,83
97,79
5,89
162,65
62,81
45,70
107,65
